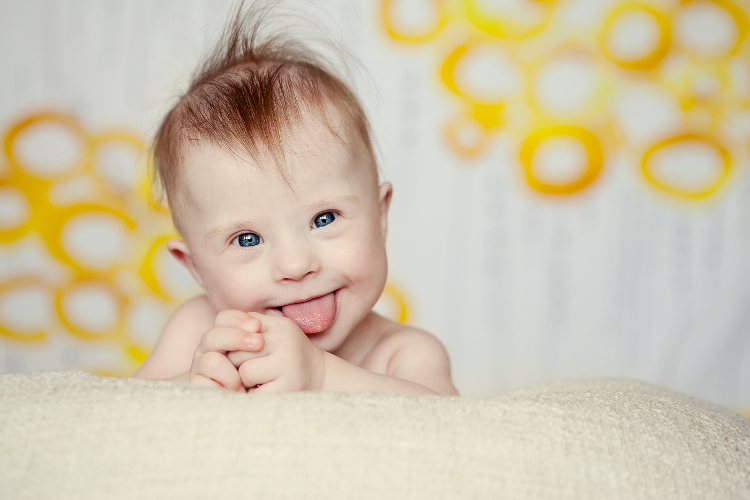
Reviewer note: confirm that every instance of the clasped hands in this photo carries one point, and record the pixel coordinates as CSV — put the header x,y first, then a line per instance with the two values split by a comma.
x,y
253,352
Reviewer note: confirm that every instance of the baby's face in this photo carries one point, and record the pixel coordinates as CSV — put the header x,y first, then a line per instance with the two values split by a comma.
x,y
314,252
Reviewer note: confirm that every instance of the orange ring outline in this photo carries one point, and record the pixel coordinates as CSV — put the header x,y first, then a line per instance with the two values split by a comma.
x,y
497,27
446,70
12,234
740,18
22,282
135,353
661,49
593,167
118,326
482,115
54,236
66,121
395,294
442,9
449,66
116,136
678,192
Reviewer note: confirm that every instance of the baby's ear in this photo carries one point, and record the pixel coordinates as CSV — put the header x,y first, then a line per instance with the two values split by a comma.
x,y
386,190
181,252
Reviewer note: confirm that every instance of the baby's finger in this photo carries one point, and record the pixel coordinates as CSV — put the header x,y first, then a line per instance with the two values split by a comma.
x,y
238,319
239,357
256,371
203,381
272,387
223,339
270,322
217,367
266,320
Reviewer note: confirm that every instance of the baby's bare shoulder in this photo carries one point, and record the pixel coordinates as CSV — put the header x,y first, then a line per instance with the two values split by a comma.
x,y
413,354
182,333
193,313
404,342
398,343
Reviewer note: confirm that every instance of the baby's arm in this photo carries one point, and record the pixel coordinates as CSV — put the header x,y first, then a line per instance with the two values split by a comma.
x,y
193,344
405,361
172,355
415,361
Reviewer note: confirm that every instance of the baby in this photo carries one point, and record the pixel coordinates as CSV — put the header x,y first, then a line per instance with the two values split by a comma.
x,y
272,183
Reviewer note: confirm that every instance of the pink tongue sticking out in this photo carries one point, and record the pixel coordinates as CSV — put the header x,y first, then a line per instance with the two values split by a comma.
x,y
314,315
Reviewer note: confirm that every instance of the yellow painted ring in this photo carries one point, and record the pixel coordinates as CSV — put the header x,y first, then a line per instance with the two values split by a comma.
x,y
13,233
118,328
656,55
593,167
446,75
499,27
451,132
740,18
441,7
720,180
446,70
53,237
135,353
116,136
22,282
62,119
402,314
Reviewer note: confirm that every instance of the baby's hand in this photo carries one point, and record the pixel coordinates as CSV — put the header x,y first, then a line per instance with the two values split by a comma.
x,y
288,362
232,331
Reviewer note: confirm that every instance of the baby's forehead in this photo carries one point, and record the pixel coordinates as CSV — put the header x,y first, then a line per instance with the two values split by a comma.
x,y
305,159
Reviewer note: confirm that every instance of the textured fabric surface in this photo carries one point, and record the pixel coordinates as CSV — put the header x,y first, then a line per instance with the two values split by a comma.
x,y
73,435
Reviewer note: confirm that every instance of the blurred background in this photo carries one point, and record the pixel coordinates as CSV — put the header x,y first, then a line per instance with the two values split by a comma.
x,y
571,196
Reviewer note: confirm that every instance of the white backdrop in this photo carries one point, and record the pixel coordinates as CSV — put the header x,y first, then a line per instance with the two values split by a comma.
x,y
527,256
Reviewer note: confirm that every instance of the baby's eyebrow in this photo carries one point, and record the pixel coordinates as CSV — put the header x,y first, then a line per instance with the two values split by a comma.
x,y
226,228
328,202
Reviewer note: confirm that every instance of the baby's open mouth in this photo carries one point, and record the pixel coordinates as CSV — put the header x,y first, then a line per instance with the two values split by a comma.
x,y
314,315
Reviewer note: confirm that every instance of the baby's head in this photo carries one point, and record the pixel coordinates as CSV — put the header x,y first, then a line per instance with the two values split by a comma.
x,y
272,182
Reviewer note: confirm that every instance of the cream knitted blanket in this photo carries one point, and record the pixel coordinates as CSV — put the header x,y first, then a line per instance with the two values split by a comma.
x,y
73,435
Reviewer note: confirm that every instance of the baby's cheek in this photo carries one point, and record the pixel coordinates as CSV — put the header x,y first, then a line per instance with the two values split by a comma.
x,y
370,264
237,291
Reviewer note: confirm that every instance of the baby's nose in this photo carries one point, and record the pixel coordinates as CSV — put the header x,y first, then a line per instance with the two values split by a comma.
x,y
295,261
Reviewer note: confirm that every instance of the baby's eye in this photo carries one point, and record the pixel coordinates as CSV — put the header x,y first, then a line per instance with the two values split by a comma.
x,y
247,240
324,219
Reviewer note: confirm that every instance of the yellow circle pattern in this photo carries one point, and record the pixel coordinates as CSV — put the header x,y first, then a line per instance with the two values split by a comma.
x,y
48,220
702,86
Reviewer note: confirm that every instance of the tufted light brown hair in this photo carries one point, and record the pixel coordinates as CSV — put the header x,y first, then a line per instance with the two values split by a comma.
x,y
247,97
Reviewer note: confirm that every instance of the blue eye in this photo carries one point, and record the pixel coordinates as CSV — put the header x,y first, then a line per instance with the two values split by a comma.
x,y
247,240
324,219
